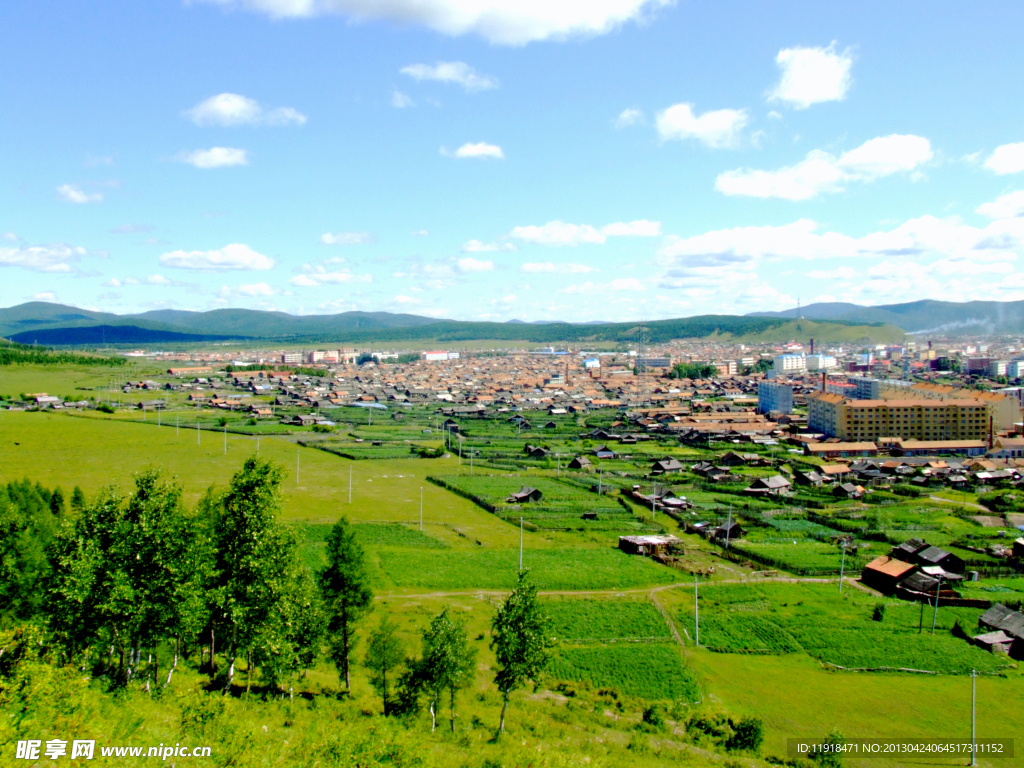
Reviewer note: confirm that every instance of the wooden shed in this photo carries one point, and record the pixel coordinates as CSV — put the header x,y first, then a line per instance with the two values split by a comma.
x,y
524,495
885,573
647,545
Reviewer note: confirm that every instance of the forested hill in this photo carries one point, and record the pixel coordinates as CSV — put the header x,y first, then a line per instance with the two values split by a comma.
x,y
54,324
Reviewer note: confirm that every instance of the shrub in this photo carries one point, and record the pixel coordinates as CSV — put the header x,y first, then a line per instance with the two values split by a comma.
x,y
654,717
104,408
879,613
748,735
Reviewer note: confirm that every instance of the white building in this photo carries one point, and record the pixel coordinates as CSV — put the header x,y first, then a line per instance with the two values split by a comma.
x,y
1015,369
291,358
774,397
821,362
440,355
593,362
998,367
790,364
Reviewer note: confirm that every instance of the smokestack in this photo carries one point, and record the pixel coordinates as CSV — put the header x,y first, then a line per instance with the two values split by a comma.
x,y
929,345
824,382
812,346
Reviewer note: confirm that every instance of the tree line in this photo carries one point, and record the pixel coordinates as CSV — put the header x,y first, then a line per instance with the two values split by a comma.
x,y
130,585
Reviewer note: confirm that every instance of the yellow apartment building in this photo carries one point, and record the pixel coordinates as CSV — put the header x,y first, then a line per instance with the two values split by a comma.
x,y
910,419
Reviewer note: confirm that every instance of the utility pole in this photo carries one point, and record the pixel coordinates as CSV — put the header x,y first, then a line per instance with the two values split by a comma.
x,y
225,439
842,569
176,417
297,467
520,545
257,445
728,527
935,614
974,700
421,509
696,612
349,483
600,481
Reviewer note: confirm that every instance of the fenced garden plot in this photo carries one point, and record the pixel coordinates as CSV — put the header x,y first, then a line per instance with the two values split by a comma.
x,y
550,569
561,507
312,537
577,620
745,633
654,671
840,629
805,557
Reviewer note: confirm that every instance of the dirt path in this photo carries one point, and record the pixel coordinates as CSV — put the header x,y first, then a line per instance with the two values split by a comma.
x,y
970,504
481,593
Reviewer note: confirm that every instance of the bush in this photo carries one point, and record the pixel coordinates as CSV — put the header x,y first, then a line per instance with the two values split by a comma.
x,y
907,490
104,408
879,613
748,735
654,717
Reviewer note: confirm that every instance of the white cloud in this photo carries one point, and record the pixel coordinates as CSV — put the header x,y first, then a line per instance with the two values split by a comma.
x,y
45,296
1009,158
480,149
400,101
629,117
451,72
157,280
256,289
74,194
327,273
234,256
821,172
42,258
618,285
478,246
639,228
718,129
1009,206
112,283
535,267
812,75
839,273
469,264
420,232
561,233
229,109
346,238
505,22
215,157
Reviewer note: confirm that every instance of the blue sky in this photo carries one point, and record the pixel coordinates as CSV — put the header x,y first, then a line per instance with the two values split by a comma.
x,y
498,159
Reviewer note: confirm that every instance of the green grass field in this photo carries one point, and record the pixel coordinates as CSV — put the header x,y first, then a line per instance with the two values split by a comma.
x,y
576,620
651,670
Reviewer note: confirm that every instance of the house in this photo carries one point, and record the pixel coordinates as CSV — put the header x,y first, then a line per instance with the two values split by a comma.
x,y
999,617
604,452
931,556
1018,548
848,491
996,642
524,495
535,451
831,450
733,459
775,485
728,531
886,573
551,425
647,545
580,462
303,420
808,478
668,465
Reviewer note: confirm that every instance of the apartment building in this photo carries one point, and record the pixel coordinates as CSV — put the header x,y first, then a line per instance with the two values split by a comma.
x,y
821,363
790,364
916,418
774,397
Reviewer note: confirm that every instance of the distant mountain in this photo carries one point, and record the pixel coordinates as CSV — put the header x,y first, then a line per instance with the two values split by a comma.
x,y
945,317
55,324
101,335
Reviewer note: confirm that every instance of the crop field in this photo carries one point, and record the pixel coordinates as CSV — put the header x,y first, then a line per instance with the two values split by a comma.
x,y
577,620
745,632
651,670
562,506
798,528
552,569
808,558
65,451
838,629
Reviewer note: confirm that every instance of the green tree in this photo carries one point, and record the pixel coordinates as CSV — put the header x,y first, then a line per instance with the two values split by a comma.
x,y
385,658
344,584
253,566
27,527
78,501
448,662
57,502
521,640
